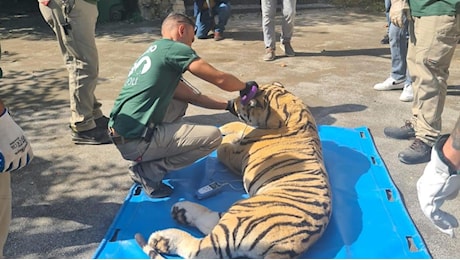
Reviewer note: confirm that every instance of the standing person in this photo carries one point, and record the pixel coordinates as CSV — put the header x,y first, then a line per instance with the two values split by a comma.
x,y
434,33
205,12
287,27
146,122
15,153
74,23
441,180
399,77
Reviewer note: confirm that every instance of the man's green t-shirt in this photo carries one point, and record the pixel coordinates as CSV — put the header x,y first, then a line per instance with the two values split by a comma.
x,y
434,7
150,87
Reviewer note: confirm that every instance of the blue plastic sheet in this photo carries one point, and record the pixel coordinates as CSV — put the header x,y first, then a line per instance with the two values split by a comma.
x,y
369,219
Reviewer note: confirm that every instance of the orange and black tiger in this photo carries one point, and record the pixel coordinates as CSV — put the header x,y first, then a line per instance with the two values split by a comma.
x,y
278,153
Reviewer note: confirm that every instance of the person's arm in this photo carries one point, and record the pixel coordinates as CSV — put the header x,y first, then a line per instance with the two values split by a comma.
x,y
189,95
223,80
451,148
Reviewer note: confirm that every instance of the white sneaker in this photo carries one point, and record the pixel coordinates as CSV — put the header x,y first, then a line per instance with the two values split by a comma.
x,y
390,84
407,95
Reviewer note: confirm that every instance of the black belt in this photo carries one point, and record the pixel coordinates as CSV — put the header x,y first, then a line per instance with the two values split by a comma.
x,y
118,139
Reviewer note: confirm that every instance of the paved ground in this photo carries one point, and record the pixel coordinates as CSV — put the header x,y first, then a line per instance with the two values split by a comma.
x,y
66,200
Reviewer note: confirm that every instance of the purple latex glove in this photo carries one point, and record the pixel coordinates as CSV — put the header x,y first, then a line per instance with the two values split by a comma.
x,y
249,92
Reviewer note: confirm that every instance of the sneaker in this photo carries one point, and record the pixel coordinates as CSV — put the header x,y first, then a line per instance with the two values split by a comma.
x,y
390,84
404,132
418,152
385,40
287,48
161,191
94,136
102,122
407,95
218,36
269,54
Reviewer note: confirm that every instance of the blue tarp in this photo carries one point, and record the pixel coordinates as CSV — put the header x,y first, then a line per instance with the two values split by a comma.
x,y
369,219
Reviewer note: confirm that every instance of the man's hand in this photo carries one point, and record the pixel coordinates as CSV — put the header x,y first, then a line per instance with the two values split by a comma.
x,y
15,150
399,9
248,92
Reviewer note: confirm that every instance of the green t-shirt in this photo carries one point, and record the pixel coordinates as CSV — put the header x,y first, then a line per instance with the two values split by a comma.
x,y
434,7
150,87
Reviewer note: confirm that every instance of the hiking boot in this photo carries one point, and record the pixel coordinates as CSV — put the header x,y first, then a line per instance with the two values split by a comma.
x,y
218,36
407,95
287,48
418,152
94,136
102,122
404,132
390,84
269,54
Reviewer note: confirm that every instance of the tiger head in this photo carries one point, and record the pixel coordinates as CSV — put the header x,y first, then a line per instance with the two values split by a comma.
x,y
273,107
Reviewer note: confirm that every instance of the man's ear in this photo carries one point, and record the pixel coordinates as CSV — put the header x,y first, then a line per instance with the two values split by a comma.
x,y
181,29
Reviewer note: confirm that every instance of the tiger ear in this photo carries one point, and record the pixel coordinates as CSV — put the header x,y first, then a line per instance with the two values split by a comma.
x,y
279,84
252,103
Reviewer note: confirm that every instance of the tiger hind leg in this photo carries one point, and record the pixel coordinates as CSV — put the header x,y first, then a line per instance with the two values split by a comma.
x,y
195,215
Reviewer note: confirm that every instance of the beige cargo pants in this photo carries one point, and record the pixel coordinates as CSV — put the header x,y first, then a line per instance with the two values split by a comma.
x,y
431,48
75,33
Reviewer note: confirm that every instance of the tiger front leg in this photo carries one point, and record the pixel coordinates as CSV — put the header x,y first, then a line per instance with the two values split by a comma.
x,y
170,241
195,215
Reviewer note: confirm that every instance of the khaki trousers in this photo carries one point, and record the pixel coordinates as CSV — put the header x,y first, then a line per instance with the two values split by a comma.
x,y
5,208
175,144
431,47
75,34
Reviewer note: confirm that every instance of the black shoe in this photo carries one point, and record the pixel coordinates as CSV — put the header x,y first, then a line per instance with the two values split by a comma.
x,y
385,40
94,136
160,191
102,122
404,132
418,152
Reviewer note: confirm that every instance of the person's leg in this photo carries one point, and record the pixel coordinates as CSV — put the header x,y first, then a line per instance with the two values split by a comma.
x,y
175,144
268,22
287,27
5,208
75,35
437,38
202,22
223,11
432,46
398,50
83,65
268,8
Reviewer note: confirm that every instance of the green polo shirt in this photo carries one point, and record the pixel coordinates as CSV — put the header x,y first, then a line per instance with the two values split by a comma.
x,y
150,87
434,7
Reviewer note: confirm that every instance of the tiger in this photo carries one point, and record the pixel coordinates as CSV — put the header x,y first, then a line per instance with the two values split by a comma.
x,y
276,149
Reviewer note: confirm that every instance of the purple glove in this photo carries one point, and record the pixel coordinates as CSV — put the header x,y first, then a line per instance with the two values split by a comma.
x,y
249,92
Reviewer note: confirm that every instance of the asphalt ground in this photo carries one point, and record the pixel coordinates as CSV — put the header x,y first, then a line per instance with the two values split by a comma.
x,y
65,201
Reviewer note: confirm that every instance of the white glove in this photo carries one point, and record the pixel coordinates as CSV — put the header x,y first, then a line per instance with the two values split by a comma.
x,y
15,150
434,187
398,11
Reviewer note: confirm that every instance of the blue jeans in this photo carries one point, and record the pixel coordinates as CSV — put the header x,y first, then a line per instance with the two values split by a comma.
x,y
398,48
205,21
